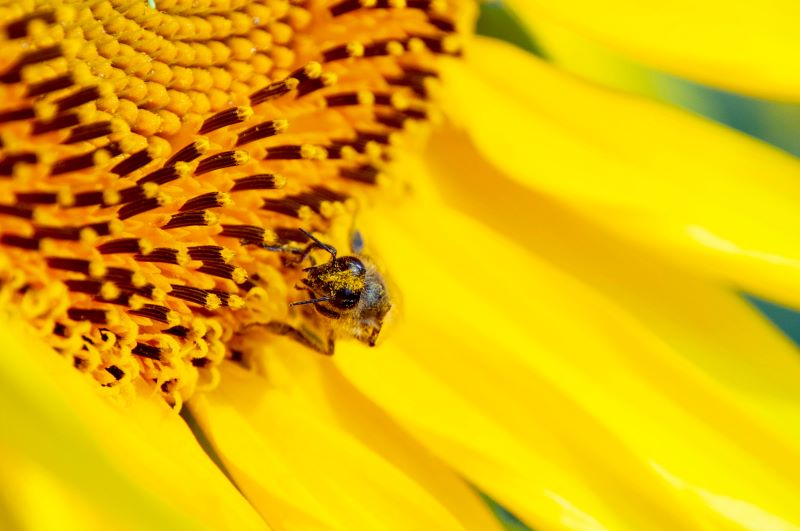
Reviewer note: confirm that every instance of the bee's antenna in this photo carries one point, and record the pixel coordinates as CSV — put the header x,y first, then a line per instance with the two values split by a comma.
x,y
310,301
324,246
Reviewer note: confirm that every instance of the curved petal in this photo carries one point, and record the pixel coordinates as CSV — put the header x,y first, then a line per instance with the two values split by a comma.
x,y
552,400
136,462
741,46
696,192
301,437
709,325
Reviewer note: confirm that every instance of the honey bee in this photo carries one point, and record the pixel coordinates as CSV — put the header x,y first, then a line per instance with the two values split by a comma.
x,y
348,291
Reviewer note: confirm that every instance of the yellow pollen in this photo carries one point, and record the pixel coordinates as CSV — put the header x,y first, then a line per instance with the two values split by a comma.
x,y
101,157
225,199
308,151
395,48
241,157
236,302
97,268
374,150
313,70
355,49
270,237
451,44
399,101
305,213
47,246
138,280
145,246
109,291
366,98
329,78
132,143
349,153
115,226
210,219
183,169
280,126
239,275
158,295
244,112
292,83
149,190
88,236
416,45
213,302
137,302
173,318
65,198
438,6
45,110
111,197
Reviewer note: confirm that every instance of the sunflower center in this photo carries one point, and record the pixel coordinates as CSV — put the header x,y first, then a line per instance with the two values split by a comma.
x,y
154,159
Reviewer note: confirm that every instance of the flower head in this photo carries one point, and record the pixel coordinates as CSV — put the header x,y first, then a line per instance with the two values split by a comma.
x,y
163,166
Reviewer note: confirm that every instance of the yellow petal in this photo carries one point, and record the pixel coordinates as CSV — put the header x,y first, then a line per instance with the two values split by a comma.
x,y
302,439
773,121
579,54
552,400
709,325
698,193
741,46
135,463
31,497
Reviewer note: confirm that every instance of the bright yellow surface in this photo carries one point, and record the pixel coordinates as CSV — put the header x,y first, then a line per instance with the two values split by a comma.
x,y
707,324
33,498
741,45
698,193
556,402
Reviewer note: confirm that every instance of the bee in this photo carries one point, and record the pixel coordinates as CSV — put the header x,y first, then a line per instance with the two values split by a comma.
x,y
348,291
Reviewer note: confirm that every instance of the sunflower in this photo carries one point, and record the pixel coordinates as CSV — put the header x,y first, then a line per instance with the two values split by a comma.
x,y
562,261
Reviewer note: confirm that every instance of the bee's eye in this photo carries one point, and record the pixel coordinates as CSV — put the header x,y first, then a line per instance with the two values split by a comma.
x,y
345,298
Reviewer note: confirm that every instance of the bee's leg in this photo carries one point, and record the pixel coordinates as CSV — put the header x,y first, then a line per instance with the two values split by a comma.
x,y
307,254
316,242
291,256
288,249
298,255
302,336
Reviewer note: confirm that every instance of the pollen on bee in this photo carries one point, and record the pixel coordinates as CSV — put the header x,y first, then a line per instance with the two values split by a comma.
x,y
155,176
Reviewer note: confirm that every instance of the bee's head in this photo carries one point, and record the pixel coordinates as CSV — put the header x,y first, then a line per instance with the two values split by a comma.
x,y
340,282
351,292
